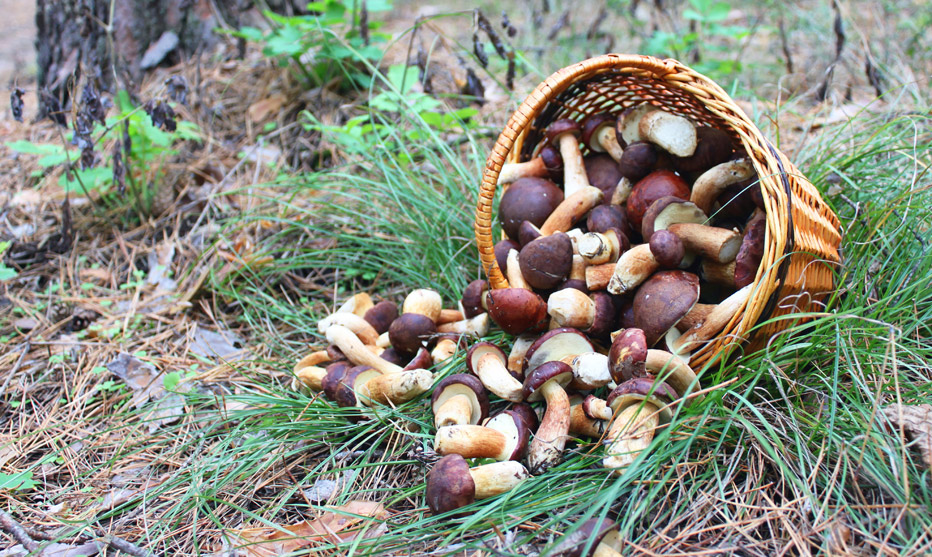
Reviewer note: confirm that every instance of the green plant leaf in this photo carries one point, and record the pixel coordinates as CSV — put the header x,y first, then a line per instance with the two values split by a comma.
x,y
17,482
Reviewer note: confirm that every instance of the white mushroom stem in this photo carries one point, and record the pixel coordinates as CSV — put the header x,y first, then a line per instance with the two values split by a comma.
x,y
426,302
472,441
309,377
574,171
313,359
672,370
581,424
396,388
383,341
622,191
590,371
357,304
719,244
714,322
455,411
573,208
597,408
598,276
356,352
546,448
513,170
444,350
497,478
575,234
360,327
632,268
609,141
578,270
630,433
477,326
513,272
518,351
450,316
713,182
718,273
571,308
494,375
597,248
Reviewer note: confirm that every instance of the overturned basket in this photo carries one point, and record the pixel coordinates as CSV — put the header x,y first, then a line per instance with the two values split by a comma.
x,y
802,235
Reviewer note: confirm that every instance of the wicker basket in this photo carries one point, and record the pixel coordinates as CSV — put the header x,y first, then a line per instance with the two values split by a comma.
x,y
802,236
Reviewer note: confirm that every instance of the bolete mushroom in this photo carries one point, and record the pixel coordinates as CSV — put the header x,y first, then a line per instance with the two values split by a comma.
x,y
424,302
632,268
547,164
573,208
528,199
598,133
657,184
640,405
605,217
667,248
547,261
356,351
381,316
516,310
411,331
597,248
557,345
713,147
713,182
751,252
504,437
594,314
488,362
662,301
547,382
472,298
595,534
565,135
452,484
638,160
671,132
714,322
602,172
459,399
627,355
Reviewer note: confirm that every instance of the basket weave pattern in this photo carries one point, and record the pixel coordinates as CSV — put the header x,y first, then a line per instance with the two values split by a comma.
x,y
802,236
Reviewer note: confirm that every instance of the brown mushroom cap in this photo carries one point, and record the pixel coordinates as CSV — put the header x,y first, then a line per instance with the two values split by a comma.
x,y
638,389
553,161
472,298
590,532
604,320
395,356
751,252
627,355
663,300
591,127
652,187
669,210
561,127
449,485
604,217
667,249
411,331
527,233
421,360
462,384
531,199
546,261
713,146
331,380
549,371
527,414
349,383
603,173
516,432
516,310
555,346
501,249
381,315
638,160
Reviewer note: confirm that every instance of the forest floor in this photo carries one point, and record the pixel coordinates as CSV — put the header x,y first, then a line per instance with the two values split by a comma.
x,y
148,335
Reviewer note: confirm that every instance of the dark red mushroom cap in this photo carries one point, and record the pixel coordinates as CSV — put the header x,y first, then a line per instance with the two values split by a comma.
x,y
652,187
604,321
602,172
637,389
627,356
411,332
713,147
667,249
531,199
395,356
472,298
638,160
547,261
603,217
557,345
591,127
516,431
331,380
421,360
462,384
553,161
501,249
561,127
381,315
345,393
550,371
527,233
573,545
516,310
751,252
528,415
450,485
663,300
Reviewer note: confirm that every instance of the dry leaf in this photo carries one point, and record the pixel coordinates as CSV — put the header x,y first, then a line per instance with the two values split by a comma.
x,y
333,526
142,377
260,110
917,422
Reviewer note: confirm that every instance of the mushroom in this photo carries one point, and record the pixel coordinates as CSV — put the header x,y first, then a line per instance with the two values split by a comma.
x,y
714,322
459,399
590,371
488,363
308,378
598,276
547,381
527,233
356,351
449,315
331,381
565,134
598,133
639,405
516,358
621,193
472,298
501,249
381,315
596,408
713,182
348,384
513,271
596,534
528,415
657,184
360,327
581,424
411,331
605,217
573,208
695,316
751,252
631,269
446,347
662,301
547,164
672,370
597,248
577,278
396,388
557,345
719,244
602,172
477,326
627,355
357,304
504,437
672,133
516,310
594,314
547,261
638,160
719,273
667,248
668,210
452,484
528,199
713,147
424,302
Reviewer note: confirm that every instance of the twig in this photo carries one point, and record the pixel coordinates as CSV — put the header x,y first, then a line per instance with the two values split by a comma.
x,y
15,529
122,545
839,29
12,372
